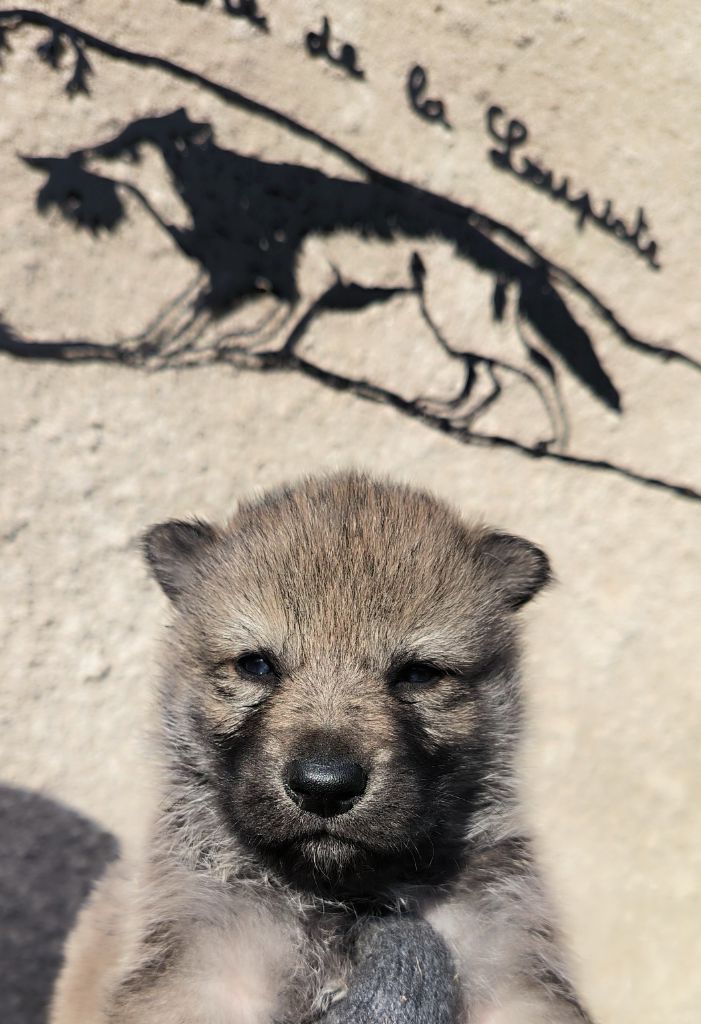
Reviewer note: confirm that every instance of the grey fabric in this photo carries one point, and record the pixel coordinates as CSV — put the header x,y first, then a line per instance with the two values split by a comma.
x,y
403,973
49,858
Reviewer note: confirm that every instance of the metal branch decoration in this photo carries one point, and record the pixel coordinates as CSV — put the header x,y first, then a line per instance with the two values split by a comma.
x,y
249,219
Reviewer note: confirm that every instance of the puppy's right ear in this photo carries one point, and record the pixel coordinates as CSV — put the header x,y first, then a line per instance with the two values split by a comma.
x,y
173,550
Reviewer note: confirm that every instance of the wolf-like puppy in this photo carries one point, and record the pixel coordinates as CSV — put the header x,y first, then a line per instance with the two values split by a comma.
x,y
338,835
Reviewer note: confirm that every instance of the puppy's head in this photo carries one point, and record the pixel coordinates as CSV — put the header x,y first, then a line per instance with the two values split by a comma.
x,y
341,673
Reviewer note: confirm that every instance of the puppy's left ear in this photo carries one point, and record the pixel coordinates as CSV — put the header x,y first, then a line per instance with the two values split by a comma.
x,y
518,568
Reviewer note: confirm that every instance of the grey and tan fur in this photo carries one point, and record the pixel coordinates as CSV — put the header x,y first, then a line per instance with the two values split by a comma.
x,y
345,622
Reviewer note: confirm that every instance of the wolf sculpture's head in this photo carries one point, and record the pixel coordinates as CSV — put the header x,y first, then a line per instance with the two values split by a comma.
x,y
340,678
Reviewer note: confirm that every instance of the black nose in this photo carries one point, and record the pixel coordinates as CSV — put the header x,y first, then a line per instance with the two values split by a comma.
x,y
325,785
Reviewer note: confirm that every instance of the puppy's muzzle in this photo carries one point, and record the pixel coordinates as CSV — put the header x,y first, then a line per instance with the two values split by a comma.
x,y
325,785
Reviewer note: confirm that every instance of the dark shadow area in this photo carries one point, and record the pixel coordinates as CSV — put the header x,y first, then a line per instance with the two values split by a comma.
x,y
49,858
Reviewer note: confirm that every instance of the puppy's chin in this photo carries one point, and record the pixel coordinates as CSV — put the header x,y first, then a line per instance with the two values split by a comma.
x,y
327,863
329,866
332,856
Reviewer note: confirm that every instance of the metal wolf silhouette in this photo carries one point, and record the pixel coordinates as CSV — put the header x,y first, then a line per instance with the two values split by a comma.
x,y
250,218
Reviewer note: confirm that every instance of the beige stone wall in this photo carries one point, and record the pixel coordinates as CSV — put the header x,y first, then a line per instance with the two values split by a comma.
x,y
92,453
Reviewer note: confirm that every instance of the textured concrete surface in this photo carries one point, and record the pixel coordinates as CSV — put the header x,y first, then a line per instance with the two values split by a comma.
x,y
91,454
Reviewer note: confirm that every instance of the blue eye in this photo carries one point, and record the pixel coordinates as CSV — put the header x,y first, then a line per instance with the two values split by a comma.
x,y
417,673
255,665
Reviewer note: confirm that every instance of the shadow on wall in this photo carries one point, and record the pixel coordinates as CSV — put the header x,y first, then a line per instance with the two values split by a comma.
x,y
49,858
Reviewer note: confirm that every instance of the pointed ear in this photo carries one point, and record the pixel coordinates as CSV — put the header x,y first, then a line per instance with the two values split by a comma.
x,y
518,568
172,551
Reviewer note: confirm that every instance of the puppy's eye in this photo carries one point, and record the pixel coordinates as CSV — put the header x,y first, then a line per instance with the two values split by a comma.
x,y
416,673
255,665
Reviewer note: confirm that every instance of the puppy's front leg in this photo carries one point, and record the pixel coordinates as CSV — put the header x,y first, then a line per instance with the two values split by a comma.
x,y
233,969
508,955
236,975
532,1006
